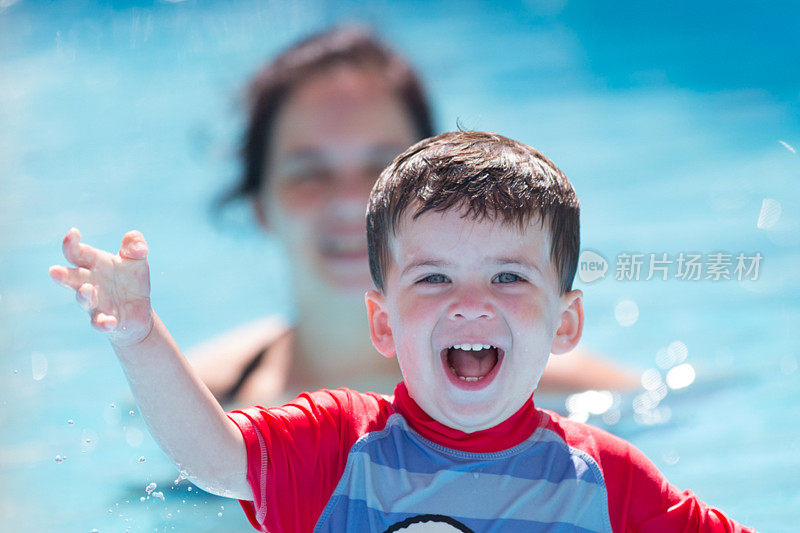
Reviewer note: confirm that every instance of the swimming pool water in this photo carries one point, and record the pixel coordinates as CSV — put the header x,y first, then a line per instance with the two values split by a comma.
x,y
125,116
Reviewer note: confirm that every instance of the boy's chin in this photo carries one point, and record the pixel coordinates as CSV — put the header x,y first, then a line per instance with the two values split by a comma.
x,y
471,418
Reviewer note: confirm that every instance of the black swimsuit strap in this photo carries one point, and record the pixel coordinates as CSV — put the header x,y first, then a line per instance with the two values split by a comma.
x,y
230,394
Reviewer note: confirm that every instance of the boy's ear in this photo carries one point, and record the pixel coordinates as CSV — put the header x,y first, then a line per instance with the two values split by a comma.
x,y
571,327
379,330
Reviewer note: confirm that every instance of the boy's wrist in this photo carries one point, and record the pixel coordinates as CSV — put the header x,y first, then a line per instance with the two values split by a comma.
x,y
126,345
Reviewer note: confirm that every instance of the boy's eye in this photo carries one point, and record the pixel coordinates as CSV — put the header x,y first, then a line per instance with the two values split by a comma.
x,y
507,277
434,278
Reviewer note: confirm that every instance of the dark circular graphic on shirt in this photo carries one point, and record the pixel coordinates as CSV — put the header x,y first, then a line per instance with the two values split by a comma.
x,y
429,523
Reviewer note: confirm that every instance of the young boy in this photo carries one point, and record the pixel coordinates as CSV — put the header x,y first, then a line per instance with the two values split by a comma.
x,y
473,243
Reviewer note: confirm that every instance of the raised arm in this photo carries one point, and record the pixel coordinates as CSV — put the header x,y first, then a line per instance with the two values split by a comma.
x,y
183,416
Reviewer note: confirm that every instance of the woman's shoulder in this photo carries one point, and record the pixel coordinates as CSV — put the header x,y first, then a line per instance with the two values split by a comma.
x,y
222,360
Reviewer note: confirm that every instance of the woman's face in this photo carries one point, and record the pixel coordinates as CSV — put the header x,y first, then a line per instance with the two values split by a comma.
x,y
331,139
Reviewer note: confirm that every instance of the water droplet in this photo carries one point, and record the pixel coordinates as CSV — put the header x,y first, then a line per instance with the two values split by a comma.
x,y
60,458
671,457
89,440
131,412
94,530
142,459
158,494
189,489
113,406
70,421
150,488
169,515
219,515
222,507
16,371
142,499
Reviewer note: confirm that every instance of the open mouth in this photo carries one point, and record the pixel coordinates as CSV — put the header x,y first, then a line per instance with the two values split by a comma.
x,y
472,365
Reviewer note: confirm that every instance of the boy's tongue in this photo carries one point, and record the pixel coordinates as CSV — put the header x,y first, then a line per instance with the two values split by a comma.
x,y
472,363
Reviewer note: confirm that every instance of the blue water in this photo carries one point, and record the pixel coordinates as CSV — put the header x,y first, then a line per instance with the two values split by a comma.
x,y
668,120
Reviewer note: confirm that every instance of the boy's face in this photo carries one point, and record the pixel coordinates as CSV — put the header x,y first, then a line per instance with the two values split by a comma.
x,y
452,282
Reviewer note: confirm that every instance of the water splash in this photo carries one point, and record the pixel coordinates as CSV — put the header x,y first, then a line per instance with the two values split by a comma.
x,y
70,421
181,476
142,459
788,147
61,458
158,494
150,488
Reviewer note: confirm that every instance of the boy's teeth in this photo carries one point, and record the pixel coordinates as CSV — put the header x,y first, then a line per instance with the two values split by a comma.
x,y
472,347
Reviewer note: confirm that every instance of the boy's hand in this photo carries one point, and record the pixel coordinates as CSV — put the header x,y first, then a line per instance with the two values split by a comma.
x,y
114,288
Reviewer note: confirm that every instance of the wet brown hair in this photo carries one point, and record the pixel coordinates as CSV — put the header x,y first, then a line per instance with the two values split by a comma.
x,y
339,46
488,175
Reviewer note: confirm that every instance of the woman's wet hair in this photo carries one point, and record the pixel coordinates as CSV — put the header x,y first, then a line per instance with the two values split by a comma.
x,y
351,46
486,175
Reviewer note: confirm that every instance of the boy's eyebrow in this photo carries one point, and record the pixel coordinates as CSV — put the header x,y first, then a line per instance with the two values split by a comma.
x,y
517,261
425,263
500,261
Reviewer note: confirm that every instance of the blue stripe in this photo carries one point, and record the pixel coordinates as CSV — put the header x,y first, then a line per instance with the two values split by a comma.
x,y
475,495
359,517
402,449
490,490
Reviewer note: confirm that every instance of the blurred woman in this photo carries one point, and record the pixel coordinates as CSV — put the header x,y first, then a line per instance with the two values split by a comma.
x,y
325,117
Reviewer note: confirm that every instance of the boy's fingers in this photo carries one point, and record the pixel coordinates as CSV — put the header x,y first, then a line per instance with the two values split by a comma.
x,y
76,252
69,277
87,296
104,322
133,246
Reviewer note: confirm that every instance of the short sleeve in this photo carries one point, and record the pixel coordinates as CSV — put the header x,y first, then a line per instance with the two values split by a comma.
x,y
658,506
640,499
296,453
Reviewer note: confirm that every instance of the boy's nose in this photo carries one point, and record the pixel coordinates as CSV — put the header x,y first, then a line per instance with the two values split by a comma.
x,y
470,306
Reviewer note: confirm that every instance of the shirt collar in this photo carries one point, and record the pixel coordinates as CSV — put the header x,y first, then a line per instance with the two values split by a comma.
x,y
512,431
